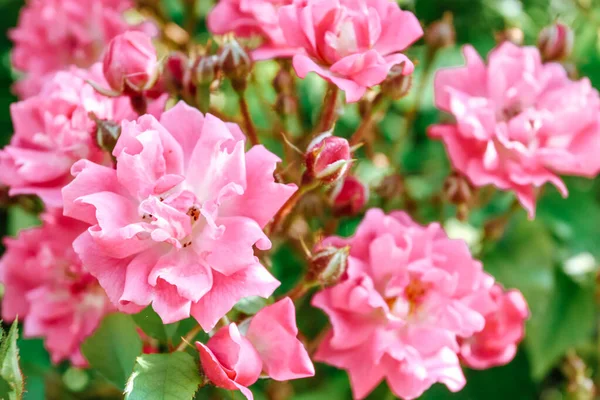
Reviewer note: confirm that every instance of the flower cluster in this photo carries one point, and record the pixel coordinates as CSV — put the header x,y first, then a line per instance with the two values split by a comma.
x,y
54,129
519,123
47,286
408,296
175,223
152,203
54,34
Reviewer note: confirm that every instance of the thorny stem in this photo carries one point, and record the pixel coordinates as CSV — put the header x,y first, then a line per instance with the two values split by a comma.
x,y
367,121
188,338
289,206
250,129
328,115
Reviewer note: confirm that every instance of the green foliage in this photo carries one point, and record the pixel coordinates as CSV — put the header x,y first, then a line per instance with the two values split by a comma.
x,y
11,377
149,322
174,376
113,348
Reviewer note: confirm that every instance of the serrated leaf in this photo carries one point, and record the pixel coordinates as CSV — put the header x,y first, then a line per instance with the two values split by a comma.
x,y
149,322
9,366
172,376
113,348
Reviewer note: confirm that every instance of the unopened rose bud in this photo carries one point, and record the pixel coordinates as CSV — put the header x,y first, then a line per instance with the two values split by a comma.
x,y
459,191
282,81
176,72
327,158
328,264
397,84
556,42
130,63
235,63
441,33
205,69
349,197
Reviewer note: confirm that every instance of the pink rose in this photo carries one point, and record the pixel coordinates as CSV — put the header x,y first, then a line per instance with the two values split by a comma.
x,y
234,360
519,123
504,328
47,287
253,18
408,295
175,224
130,63
54,34
53,130
352,44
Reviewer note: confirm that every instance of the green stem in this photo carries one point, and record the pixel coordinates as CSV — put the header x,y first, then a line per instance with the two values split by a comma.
x,y
289,206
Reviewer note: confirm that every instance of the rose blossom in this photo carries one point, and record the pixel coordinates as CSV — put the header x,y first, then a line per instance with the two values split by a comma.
x,y
352,44
253,18
504,328
47,287
54,34
236,355
175,224
519,123
53,130
408,294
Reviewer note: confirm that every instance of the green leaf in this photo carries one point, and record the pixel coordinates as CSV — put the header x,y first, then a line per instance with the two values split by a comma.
x,y
12,387
113,348
172,376
567,322
149,321
250,305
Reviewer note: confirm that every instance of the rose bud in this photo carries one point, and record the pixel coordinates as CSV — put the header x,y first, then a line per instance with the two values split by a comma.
x,y
205,69
235,63
441,33
397,84
556,42
130,63
327,158
349,197
460,192
176,73
328,264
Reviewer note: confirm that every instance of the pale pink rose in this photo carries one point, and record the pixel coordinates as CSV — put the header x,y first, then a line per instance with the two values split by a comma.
x,y
350,43
253,18
130,63
408,294
235,356
519,123
504,328
54,34
53,130
47,287
175,224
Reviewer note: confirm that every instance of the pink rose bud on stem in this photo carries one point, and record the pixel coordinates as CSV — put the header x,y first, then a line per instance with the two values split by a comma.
x,y
349,197
398,84
556,42
204,72
130,64
177,74
327,159
235,63
327,265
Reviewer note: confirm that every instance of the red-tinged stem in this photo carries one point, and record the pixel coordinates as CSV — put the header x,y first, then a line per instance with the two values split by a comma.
x,y
368,120
328,115
289,206
250,129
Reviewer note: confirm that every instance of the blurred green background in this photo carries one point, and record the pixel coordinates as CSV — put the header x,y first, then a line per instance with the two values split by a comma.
x,y
552,260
